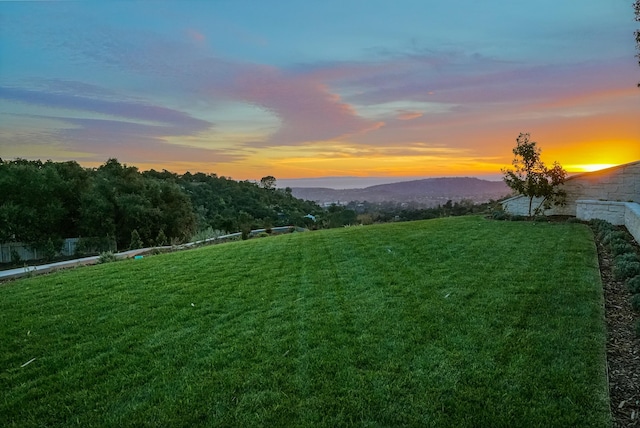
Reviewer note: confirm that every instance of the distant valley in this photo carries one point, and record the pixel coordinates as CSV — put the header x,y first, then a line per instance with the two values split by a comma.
x,y
428,192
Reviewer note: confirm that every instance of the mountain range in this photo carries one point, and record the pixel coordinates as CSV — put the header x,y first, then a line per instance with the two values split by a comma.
x,y
429,192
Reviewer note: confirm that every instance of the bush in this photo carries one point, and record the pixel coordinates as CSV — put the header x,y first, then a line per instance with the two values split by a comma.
x,y
620,248
161,239
613,236
574,220
207,233
601,228
635,302
627,257
633,284
638,328
246,231
499,215
95,245
541,218
136,241
15,257
623,269
50,250
107,257
597,223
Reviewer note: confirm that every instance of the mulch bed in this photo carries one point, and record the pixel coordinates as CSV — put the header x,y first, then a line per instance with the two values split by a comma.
x,y
623,347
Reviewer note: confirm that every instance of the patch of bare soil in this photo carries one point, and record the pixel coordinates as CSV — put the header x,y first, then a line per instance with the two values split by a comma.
x,y
623,347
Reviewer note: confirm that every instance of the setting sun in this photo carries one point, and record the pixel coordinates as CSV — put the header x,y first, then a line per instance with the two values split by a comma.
x,y
589,167
431,95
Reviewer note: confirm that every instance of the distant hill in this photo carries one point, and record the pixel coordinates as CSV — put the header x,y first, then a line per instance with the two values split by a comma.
x,y
430,191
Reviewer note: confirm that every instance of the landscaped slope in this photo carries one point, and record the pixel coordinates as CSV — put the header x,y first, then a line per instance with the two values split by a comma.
x,y
452,322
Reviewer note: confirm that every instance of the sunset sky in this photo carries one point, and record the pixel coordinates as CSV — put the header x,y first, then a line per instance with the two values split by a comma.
x,y
325,88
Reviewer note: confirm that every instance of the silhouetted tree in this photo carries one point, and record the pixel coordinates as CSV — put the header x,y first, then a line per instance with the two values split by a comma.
x,y
532,178
268,182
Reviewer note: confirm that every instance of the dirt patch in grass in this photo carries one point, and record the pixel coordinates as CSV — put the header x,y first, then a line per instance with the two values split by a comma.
x,y
623,347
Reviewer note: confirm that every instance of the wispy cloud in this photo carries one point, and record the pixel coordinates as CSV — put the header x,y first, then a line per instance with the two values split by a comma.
x,y
409,115
309,111
175,90
307,108
173,122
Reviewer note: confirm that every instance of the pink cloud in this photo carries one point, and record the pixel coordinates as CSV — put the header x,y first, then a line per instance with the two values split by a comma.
x,y
408,115
309,111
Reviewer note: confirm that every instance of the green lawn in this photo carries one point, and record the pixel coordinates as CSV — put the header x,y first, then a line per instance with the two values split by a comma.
x,y
461,322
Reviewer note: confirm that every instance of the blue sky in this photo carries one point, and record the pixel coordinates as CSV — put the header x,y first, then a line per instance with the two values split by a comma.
x,y
313,89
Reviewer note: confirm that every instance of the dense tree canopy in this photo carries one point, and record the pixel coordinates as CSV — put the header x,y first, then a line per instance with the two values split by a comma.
x,y
115,206
43,202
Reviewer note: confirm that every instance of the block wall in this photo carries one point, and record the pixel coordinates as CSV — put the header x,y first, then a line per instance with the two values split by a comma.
x,y
625,214
618,184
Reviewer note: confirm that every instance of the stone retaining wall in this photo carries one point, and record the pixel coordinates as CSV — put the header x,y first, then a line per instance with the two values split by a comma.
x,y
618,213
632,220
613,212
620,184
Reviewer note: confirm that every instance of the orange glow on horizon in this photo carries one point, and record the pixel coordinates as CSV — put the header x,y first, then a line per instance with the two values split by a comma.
x,y
589,167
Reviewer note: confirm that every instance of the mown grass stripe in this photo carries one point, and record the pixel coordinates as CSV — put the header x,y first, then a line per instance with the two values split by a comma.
x,y
450,322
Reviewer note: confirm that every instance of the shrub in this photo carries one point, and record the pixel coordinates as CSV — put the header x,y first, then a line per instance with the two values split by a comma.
x,y
15,257
597,223
623,269
207,233
614,236
633,284
541,218
95,245
601,228
50,250
619,248
161,239
627,257
635,302
106,257
638,328
574,220
499,215
136,241
246,231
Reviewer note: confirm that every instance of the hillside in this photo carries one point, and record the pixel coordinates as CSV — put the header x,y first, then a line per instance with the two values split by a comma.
x,y
406,324
430,191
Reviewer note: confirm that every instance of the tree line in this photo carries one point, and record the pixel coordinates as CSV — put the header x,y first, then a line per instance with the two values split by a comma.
x,y
42,203
116,206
